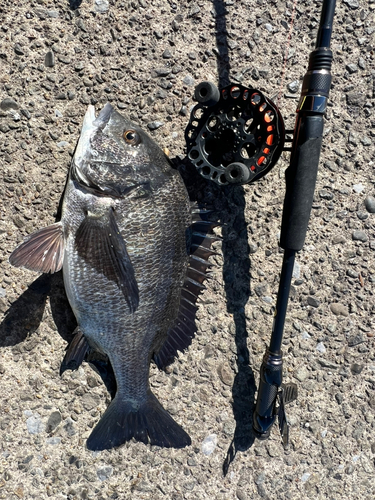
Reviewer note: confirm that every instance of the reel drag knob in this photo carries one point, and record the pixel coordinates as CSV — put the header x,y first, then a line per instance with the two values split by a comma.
x,y
207,93
237,173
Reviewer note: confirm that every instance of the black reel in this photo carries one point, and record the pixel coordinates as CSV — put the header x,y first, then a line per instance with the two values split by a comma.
x,y
235,135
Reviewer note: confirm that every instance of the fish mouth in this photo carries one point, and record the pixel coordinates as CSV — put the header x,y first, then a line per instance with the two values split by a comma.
x,y
91,124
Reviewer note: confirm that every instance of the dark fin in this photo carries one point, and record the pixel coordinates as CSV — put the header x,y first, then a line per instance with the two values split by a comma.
x,y
43,251
101,364
75,353
100,244
149,423
183,331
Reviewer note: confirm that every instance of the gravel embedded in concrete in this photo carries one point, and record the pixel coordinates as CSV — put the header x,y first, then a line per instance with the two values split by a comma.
x,y
146,58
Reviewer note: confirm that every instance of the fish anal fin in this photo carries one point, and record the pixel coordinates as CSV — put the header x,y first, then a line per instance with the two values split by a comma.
x,y
100,243
42,251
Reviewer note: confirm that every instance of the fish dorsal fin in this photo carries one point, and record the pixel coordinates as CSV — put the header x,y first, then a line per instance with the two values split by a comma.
x,y
180,335
42,251
99,242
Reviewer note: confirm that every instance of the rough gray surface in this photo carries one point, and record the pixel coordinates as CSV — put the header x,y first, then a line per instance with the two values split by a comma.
x,y
146,57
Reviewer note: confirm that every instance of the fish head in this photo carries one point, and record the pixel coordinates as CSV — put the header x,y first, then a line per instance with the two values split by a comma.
x,y
114,155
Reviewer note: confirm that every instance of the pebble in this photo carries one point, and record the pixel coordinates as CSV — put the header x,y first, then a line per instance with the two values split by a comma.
x,y
354,98
232,44
69,427
163,71
90,401
241,495
339,398
101,6
301,373
53,440
358,188
62,144
155,125
34,424
321,347
326,195
327,364
366,141
370,204
296,270
313,302
3,292
19,50
4,128
305,477
353,4
362,215
225,374
167,54
16,116
273,449
359,236
339,309
351,68
293,86
8,104
356,368
356,339
49,59
189,80
64,59
338,239
209,444
194,10
53,421
53,13
104,473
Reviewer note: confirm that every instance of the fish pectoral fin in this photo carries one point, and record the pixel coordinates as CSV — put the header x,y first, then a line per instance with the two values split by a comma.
x,y
43,251
75,352
100,244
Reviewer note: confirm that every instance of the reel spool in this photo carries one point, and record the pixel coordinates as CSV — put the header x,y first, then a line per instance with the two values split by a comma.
x,y
235,135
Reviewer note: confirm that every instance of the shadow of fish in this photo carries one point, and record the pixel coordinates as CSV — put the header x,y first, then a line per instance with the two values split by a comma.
x,y
123,242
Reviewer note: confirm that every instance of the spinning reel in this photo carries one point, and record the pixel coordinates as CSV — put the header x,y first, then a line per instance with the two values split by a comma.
x,y
235,135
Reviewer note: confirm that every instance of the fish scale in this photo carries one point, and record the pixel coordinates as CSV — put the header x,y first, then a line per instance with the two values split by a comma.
x,y
130,336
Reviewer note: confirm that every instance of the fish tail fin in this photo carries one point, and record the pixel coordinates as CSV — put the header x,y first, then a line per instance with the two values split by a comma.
x,y
149,423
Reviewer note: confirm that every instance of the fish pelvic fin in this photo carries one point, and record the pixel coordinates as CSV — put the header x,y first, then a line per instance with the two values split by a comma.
x,y
42,251
147,422
100,243
75,352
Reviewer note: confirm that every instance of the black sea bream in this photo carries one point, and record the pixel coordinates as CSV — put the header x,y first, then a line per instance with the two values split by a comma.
x,y
123,242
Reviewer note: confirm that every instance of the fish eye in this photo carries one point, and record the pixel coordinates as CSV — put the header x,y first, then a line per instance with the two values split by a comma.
x,y
131,137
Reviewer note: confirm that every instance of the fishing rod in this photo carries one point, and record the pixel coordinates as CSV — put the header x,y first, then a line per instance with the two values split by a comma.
x,y
300,186
235,136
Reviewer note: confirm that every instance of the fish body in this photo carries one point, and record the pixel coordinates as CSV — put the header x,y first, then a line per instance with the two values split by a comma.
x,y
123,244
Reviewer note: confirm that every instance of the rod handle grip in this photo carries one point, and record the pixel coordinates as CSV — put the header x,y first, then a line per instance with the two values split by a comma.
x,y
300,179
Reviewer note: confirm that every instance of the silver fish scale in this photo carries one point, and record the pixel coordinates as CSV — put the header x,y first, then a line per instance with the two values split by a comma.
x,y
154,230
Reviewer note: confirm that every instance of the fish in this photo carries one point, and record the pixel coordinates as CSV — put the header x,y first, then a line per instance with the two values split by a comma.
x,y
134,253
